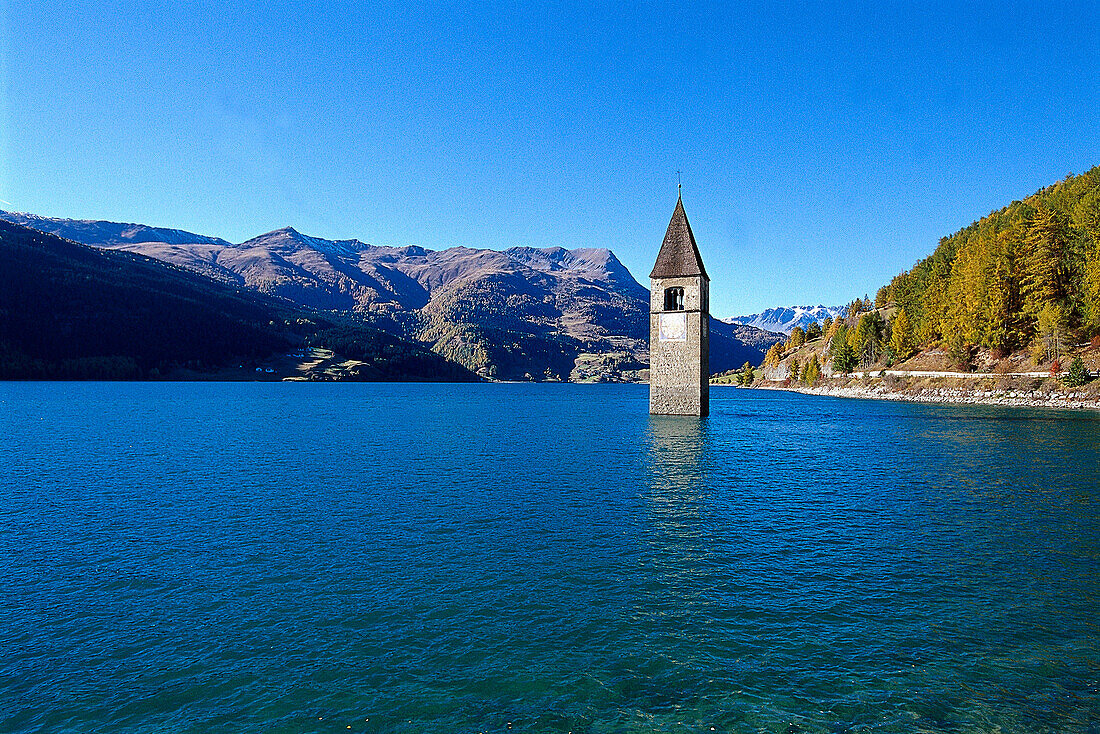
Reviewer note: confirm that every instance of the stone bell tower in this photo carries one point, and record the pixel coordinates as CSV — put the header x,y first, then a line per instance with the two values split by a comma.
x,y
679,324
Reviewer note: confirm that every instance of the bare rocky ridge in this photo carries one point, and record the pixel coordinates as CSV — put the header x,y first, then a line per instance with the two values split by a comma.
x,y
524,313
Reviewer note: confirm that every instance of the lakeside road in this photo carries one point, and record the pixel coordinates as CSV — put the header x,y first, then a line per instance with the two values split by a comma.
x,y
934,373
879,390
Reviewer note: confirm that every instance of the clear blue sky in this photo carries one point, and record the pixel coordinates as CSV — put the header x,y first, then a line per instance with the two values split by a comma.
x,y
823,148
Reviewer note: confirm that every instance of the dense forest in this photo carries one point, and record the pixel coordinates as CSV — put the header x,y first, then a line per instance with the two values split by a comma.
x,y
1026,276
69,311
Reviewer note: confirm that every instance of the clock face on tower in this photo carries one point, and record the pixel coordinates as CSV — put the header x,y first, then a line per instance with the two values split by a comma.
x,y
673,327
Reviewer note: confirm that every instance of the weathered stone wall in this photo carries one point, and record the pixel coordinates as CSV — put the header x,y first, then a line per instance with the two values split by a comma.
x,y
679,371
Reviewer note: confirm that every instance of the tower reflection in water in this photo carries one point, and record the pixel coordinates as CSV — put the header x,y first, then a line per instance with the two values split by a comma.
x,y
677,457
680,511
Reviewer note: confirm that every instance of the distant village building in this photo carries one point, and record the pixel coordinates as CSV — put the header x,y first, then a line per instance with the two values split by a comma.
x,y
679,324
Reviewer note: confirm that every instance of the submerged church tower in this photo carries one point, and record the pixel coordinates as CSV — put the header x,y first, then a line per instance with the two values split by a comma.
x,y
679,324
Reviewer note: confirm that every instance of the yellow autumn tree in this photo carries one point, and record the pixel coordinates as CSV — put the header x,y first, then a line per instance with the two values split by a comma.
x,y
797,338
901,336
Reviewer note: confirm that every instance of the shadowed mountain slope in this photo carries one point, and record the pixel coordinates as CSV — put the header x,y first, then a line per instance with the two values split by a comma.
x,y
68,310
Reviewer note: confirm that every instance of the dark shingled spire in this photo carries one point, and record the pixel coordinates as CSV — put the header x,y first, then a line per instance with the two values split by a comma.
x,y
679,256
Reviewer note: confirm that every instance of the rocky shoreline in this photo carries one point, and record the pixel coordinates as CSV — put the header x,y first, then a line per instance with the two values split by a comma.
x,y
1043,396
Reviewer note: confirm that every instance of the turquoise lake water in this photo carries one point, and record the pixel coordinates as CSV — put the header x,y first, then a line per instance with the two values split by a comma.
x,y
296,557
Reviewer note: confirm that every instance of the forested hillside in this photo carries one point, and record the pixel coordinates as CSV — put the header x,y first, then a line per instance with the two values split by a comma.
x,y
1015,290
1023,276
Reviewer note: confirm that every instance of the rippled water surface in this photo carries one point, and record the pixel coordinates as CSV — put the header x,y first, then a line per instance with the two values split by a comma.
x,y
528,558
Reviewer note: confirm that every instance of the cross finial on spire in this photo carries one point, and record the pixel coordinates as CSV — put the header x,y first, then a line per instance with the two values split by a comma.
x,y
679,186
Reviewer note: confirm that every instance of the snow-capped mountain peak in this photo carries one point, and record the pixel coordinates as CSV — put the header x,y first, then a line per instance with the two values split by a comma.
x,y
783,319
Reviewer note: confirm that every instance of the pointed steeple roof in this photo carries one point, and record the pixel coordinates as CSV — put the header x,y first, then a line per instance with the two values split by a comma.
x,y
679,255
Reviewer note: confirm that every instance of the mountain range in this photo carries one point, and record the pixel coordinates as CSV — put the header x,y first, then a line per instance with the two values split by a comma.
x,y
782,320
522,313
71,311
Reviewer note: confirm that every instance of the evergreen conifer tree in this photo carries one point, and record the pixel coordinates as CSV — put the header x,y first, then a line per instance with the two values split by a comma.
x,y
844,359
1077,374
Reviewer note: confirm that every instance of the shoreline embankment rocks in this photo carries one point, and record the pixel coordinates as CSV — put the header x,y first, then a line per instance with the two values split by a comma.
x,y
953,390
